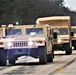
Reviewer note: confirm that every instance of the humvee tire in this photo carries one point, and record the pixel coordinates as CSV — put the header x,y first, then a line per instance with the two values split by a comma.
x,y
3,57
68,50
42,55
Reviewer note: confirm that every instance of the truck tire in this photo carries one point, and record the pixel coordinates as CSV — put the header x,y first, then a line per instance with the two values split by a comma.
x,y
3,57
12,60
42,55
68,50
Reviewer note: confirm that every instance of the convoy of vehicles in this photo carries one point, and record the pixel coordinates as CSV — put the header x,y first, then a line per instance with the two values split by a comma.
x,y
29,40
38,41
60,25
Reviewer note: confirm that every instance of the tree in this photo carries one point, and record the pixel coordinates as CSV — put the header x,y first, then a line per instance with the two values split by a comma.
x,y
27,11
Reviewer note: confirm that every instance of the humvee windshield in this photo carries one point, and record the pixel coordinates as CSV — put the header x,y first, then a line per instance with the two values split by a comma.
x,y
62,31
74,30
36,30
13,32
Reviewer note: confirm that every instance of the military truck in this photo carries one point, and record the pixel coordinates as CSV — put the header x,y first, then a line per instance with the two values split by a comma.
x,y
28,40
61,26
73,29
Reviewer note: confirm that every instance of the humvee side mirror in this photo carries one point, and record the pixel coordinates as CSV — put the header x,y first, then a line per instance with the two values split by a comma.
x,y
55,35
72,33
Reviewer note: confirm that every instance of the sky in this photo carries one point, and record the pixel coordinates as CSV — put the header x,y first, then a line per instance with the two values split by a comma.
x,y
70,4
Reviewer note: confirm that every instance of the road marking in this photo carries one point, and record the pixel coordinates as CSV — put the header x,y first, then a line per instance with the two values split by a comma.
x,y
59,70
62,68
9,69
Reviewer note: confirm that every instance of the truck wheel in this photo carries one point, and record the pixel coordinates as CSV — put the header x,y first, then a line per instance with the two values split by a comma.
x,y
3,57
42,55
12,60
68,50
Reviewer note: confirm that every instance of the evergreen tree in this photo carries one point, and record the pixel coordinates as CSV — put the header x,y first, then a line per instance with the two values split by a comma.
x,y
27,11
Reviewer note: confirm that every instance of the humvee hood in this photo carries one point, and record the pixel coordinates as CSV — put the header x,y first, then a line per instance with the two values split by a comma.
x,y
23,38
27,38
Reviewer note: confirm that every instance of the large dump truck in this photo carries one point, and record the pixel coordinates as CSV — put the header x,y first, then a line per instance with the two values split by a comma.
x,y
73,29
28,40
61,26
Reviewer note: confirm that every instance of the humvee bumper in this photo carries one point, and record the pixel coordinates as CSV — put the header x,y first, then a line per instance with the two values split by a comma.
x,y
34,52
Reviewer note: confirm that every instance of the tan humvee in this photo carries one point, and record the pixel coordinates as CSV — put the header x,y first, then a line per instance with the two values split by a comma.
x,y
61,26
29,40
73,29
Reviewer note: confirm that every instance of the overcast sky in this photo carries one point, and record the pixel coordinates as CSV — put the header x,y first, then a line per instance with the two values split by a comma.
x,y
71,4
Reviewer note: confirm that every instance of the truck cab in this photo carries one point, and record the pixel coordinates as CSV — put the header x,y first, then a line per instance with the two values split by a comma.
x,y
63,41
28,40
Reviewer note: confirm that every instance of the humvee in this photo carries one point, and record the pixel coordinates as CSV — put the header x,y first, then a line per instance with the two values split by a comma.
x,y
28,40
73,29
62,27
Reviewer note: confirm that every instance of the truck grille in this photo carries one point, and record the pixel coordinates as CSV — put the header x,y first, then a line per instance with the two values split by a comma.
x,y
20,44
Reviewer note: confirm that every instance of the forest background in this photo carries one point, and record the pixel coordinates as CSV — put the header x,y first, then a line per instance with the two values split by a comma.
x,y
27,11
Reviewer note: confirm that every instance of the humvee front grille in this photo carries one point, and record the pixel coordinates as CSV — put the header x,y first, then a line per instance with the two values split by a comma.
x,y
20,44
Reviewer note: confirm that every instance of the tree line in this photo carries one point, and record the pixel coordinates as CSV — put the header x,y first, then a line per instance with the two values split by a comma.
x,y
27,11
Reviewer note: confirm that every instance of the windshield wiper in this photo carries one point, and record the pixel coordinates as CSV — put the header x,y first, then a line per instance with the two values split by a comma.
x,y
32,28
7,31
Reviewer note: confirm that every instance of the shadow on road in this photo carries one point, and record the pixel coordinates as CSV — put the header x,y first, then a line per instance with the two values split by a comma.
x,y
28,63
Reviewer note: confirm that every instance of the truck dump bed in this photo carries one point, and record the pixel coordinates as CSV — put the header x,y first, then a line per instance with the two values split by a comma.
x,y
55,20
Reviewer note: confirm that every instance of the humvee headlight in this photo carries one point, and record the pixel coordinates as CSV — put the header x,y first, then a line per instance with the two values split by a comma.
x,y
1,43
9,44
30,43
59,40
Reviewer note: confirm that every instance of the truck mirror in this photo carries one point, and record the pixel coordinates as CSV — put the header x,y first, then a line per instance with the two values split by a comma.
x,y
72,33
54,35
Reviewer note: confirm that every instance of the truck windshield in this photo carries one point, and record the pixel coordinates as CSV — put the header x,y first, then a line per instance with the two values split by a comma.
x,y
62,31
36,30
13,32
74,30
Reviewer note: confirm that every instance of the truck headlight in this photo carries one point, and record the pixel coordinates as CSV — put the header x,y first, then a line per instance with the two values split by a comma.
x,y
59,40
9,44
30,43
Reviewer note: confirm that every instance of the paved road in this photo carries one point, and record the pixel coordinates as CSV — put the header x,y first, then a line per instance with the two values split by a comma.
x,y
62,65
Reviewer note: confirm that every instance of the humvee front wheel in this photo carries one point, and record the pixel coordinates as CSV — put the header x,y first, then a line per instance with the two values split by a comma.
x,y
42,55
3,57
50,56
68,50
